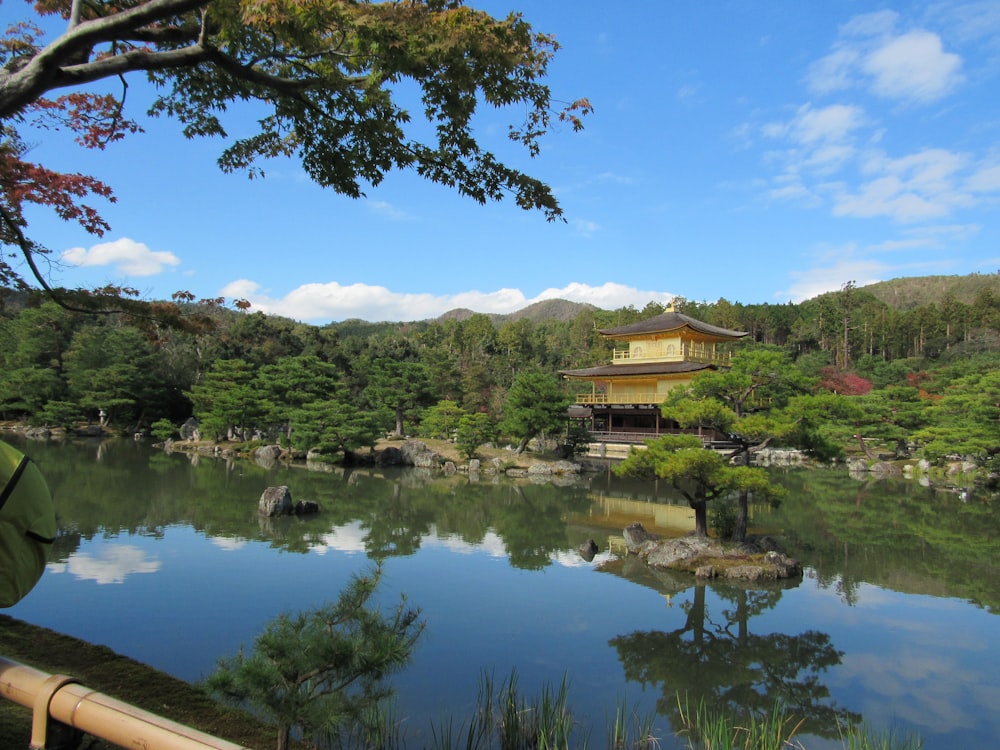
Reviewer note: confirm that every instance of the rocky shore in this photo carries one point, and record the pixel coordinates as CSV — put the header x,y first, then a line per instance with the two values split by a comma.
x,y
758,559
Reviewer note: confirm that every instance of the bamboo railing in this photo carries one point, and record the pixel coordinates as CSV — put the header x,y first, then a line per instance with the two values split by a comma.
x,y
60,699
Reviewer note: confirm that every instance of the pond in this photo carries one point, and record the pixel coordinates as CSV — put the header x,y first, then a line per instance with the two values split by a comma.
x,y
163,558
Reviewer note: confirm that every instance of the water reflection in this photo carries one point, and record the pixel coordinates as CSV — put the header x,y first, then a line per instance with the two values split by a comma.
x,y
714,658
894,533
111,564
880,625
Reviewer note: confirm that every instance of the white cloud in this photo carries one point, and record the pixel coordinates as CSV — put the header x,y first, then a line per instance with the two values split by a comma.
x,y
821,279
820,142
878,23
388,211
985,180
833,72
869,53
608,296
333,301
917,187
913,66
831,124
928,238
129,257
585,227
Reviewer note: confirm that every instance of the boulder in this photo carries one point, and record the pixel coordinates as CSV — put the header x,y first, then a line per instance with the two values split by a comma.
x,y
427,460
189,430
275,501
268,452
306,507
416,453
565,467
885,469
757,559
588,550
672,553
778,457
637,539
390,456
857,465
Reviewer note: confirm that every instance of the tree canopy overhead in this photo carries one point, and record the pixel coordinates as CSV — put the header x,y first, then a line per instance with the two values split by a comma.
x,y
326,76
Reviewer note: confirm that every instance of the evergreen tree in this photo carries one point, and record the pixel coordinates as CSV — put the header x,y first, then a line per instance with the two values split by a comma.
x,y
226,403
473,431
535,405
323,671
700,475
441,420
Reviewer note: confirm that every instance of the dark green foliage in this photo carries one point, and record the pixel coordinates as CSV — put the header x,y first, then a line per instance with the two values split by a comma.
x,y
699,475
398,386
163,429
576,442
226,402
536,404
473,430
262,376
723,519
333,426
57,414
323,671
441,420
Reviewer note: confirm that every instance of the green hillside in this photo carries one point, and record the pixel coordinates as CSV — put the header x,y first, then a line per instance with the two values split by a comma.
x,y
916,291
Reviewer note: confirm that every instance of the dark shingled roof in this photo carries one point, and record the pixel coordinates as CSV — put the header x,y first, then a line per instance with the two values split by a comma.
x,y
648,368
670,321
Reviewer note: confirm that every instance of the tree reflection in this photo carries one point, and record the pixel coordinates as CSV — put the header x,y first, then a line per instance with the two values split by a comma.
x,y
893,533
715,658
396,526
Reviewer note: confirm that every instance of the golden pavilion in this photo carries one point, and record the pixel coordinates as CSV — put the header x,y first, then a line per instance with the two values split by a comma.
x,y
651,357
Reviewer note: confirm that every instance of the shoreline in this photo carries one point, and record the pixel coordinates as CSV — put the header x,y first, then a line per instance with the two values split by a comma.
x,y
123,678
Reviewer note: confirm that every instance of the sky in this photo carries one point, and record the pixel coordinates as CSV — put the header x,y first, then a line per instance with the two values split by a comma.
x,y
761,152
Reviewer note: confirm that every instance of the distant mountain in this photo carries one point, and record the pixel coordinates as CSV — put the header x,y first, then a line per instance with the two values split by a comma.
x,y
916,291
550,309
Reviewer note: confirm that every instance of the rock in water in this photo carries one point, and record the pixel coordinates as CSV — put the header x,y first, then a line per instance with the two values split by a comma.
x,y
588,550
275,501
637,539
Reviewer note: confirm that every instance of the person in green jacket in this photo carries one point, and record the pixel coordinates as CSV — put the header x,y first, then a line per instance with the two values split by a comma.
x,y
27,525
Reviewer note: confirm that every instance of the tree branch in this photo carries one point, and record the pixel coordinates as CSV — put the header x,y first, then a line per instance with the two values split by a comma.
x,y
47,70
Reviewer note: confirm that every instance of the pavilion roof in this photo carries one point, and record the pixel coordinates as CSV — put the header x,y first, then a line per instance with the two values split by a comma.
x,y
670,321
646,368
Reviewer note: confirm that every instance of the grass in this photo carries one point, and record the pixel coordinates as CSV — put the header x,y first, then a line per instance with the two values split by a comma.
x,y
707,729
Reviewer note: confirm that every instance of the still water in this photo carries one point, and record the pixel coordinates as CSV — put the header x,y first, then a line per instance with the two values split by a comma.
x,y
163,558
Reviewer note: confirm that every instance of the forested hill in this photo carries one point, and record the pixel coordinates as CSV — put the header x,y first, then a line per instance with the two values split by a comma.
x,y
61,368
904,293
908,293
550,309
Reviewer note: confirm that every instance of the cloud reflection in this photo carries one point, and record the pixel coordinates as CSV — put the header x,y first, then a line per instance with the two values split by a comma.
x,y
112,564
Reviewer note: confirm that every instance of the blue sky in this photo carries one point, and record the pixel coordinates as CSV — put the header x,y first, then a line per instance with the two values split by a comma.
x,y
760,152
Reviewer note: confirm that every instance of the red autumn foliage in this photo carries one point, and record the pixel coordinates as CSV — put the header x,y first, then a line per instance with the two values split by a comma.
x,y
844,382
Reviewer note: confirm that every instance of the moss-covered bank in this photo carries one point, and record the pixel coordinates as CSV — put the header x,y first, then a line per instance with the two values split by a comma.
x,y
125,679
